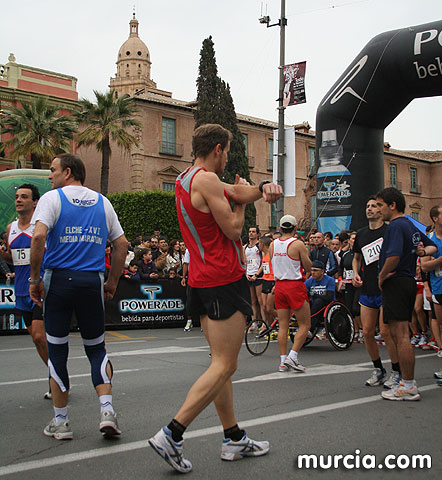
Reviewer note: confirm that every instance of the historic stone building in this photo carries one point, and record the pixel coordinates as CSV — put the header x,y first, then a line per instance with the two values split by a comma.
x,y
22,83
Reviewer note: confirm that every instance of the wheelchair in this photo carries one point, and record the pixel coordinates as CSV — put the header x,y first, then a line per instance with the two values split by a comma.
x,y
335,318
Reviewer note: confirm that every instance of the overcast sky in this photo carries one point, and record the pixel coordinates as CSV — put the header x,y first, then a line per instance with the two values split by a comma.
x,y
82,39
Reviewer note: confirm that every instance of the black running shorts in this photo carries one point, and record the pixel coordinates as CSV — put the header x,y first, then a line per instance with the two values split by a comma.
x,y
220,303
398,298
267,286
29,317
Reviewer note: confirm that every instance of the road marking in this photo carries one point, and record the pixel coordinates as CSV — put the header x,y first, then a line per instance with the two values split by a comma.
x,y
99,452
32,380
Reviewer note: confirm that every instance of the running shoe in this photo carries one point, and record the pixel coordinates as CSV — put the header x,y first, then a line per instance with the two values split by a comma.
x,y
47,396
439,382
438,375
431,345
361,337
163,444
439,353
399,392
356,338
294,365
246,447
393,380
423,340
59,432
188,326
377,378
321,335
109,424
283,368
415,339
378,338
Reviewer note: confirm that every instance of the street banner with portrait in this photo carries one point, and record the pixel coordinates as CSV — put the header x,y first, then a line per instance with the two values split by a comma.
x,y
294,84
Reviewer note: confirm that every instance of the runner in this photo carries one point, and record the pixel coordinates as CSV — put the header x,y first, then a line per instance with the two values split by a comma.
x,y
219,292
76,223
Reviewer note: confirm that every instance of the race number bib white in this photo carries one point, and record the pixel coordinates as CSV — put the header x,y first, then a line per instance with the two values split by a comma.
x,y
252,262
348,274
371,251
266,268
21,256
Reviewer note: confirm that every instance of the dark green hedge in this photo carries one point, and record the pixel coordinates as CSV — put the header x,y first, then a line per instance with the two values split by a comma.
x,y
140,212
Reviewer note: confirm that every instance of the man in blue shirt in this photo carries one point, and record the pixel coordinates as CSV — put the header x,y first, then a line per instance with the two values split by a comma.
x,y
321,291
402,244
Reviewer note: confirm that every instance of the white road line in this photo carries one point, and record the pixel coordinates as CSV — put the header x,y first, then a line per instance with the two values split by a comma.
x,y
99,452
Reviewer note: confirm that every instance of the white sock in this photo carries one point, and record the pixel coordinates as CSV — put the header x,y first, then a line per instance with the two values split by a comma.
x,y
293,355
408,383
283,357
61,415
106,403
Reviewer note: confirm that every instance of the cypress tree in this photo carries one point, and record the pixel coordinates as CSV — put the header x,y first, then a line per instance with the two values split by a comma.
x,y
215,105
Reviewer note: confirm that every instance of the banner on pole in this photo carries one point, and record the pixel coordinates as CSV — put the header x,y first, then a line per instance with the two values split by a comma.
x,y
294,84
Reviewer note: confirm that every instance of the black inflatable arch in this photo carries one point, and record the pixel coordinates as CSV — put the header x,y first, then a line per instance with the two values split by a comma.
x,y
394,68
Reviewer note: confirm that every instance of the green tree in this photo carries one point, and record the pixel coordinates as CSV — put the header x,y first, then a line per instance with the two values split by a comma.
x,y
37,130
108,118
215,105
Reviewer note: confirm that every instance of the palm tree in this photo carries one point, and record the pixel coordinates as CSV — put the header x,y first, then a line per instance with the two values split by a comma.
x,y
107,119
38,130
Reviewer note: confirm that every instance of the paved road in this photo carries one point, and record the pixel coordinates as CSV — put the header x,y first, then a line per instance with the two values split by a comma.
x,y
326,411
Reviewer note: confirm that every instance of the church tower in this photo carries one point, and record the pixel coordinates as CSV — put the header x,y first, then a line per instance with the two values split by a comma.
x,y
133,67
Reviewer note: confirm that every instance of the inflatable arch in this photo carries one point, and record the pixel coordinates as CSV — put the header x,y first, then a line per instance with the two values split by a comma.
x,y
394,68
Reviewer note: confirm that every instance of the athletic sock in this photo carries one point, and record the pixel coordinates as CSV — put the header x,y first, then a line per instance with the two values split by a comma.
x,y
396,367
61,415
176,430
408,383
378,364
283,357
293,355
234,433
106,403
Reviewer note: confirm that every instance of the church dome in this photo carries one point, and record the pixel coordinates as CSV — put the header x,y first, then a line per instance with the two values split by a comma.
x,y
133,48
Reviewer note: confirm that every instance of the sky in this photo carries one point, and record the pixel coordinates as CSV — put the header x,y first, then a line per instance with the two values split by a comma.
x,y
82,39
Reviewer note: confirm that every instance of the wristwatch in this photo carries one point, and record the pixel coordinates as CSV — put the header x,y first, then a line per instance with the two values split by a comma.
x,y
34,282
262,184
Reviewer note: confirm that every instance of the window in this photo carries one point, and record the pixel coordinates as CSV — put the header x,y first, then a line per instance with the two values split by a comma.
x,y
415,215
313,210
393,175
413,180
168,187
311,161
246,143
270,155
168,144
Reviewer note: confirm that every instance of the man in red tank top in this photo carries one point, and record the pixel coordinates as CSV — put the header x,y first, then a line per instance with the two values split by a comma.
x,y
219,292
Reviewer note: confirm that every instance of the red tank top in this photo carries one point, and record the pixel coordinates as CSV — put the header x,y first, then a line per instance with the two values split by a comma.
x,y
214,259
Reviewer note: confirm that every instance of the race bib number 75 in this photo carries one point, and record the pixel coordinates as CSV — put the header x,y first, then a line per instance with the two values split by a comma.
x,y
21,256
371,251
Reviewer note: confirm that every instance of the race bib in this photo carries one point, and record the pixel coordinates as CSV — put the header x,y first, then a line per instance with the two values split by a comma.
x,y
266,268
348,274
21,256
252,262
371,251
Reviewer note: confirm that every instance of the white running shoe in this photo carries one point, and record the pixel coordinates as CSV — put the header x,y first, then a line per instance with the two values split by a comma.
x,y
399,392
423,341
415,340
163,444
188,326
109,424
393,380
377,378
283,368
47,396
439,353
294,365
59,432
246,447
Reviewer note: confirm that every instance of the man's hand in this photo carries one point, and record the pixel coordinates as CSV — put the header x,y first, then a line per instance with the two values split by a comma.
x,y
109,290
356,280
183,282
37,293
271,192
382,279
420,250
240,181
153,275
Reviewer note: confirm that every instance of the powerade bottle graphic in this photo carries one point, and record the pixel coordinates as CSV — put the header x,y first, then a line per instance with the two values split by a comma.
x,y
334,192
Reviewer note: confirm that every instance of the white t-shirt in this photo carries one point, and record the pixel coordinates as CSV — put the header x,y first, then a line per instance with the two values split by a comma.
x,y
49,206
186,258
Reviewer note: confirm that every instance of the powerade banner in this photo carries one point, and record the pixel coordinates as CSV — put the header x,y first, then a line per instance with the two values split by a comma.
x,y
159,304
10,319
294,84
393,69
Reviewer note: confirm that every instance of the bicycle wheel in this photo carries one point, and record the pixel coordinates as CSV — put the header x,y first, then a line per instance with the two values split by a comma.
x,y
257,337
339,326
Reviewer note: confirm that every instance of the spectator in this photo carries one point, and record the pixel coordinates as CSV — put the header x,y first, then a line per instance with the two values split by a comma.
x,y
182,248
132,272
147,269
173,258
160,261
154,248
